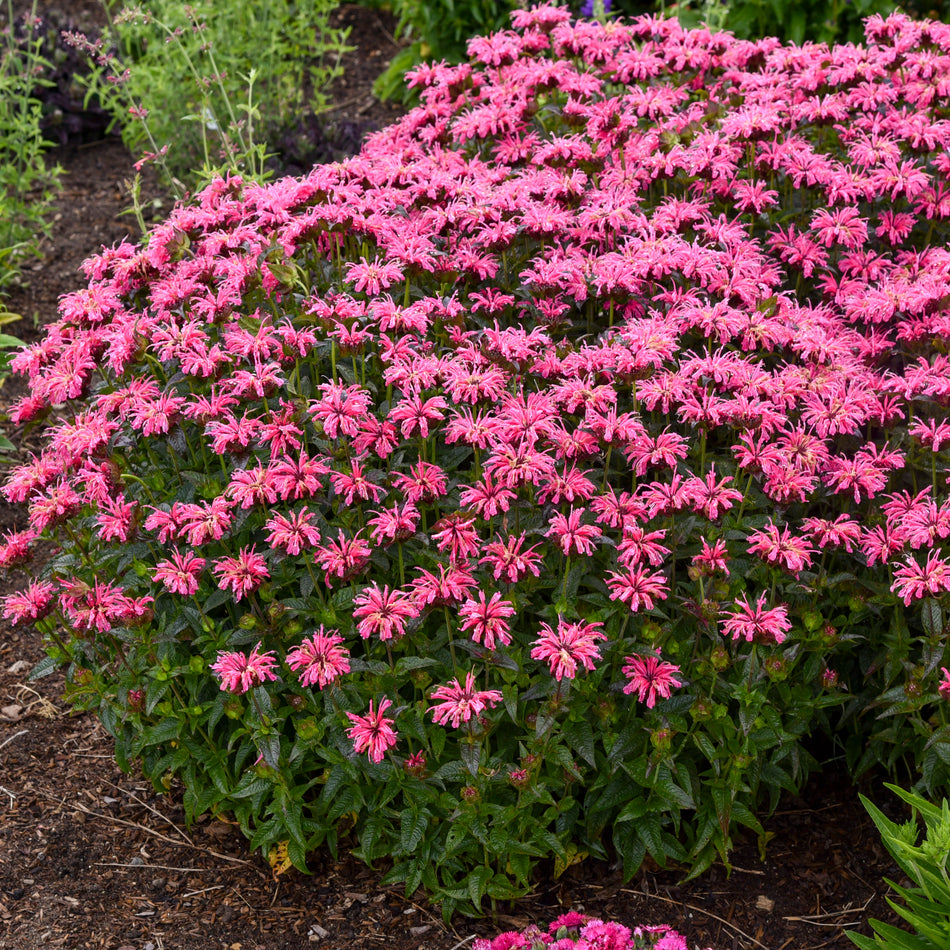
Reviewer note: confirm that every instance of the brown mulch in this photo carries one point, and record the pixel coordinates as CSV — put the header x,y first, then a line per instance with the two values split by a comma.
x,y
93,858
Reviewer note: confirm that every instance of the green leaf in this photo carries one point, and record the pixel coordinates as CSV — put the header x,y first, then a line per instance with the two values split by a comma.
x,y
478,882
931,617
545,720
406,663
168,729
580,737
252,785
412,829
471,753
46,666
509,696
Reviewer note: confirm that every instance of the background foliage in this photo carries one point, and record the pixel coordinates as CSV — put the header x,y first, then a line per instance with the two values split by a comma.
x,y
202,87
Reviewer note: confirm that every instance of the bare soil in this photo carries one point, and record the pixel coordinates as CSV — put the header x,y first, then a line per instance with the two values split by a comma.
x,y
93,858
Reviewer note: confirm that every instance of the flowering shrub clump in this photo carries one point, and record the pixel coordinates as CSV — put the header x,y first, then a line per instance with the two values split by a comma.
x,y
536,483
574,931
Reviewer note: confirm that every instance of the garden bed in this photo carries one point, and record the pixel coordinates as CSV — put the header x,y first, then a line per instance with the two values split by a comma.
x,y
89,857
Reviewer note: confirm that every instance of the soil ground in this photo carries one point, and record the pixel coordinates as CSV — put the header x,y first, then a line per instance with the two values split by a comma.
x,y
93,858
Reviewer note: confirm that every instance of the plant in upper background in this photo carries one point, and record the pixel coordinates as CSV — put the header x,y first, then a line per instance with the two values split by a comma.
x,y
926,904
437,30
28,184
535,484
203,88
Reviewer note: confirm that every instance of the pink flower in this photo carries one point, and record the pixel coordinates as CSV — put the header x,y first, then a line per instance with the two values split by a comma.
x,y
416,415
781,548
205,521
944,687
394,525
180,573
605,935
31,604
383,612
571,921
241,574
56,504
16,548
293,532
572,536
341,409
931,433
486,621
424,483
344,558
649,677
98,607
508,560
373,276
913,581
757,623
571,646
355,484
319,659
637,587
239,673
711,497
449,586
637,545
487,498
373,733
458,704
457,535
842,532
713,559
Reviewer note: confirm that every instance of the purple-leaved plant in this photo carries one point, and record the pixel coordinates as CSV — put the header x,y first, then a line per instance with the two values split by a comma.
x,y
540,482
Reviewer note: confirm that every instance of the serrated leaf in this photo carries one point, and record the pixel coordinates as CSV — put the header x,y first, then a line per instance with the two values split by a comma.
x,y
931,616
580,737
46,666
471,754
412,829
477,885
406,663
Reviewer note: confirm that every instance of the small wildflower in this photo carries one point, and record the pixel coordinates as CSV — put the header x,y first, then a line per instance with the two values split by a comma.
x,y
569,647
239,672
459,703
319,659
649,677
373,733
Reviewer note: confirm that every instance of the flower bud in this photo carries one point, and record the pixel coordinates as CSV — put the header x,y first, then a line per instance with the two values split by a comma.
x,y
662,739
829,678
519,778
829,636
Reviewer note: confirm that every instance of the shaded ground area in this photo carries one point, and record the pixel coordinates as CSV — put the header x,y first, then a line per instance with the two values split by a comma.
x,y
92,858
